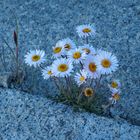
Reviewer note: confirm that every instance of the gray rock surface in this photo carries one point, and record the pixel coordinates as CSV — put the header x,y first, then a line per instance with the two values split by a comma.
x,y
43,22
31,117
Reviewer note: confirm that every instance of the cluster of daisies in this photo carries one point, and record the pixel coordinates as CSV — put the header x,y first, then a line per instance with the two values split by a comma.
x,y
84,64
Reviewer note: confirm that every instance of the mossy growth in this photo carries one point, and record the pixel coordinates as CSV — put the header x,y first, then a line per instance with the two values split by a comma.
x,y
80,102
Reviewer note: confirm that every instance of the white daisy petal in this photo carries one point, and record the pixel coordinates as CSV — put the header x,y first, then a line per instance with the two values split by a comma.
x,y
76,55
113,101
58,50
114,90
106,62
47,72
115,97
68,44
91,67
88,49
62,67
86,30
81,77
114,85
35,58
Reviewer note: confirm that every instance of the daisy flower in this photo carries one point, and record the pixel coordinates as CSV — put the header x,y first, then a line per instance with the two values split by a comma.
x,y
115,97
115,84
62,67
35,58
106,62
76,55
86,30
47,72
91,67
68,44
88,49
88,92
58,50
81,77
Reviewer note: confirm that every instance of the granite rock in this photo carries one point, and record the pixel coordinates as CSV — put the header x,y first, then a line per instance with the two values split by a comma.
x,y
25,116
43,23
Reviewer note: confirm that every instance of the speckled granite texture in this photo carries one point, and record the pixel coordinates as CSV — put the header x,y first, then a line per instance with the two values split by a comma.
x,y
43,22
31,117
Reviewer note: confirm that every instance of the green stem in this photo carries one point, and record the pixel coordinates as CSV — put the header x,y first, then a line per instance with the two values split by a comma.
x,y
9,48
79,97
57,85
17,46
98,83
17,49
68,86
17,63
91,82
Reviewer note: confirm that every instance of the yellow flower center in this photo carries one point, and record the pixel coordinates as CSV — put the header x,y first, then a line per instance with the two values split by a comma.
x,y
49,72
35,58
57,49
76,55
106,63
116,96
82,78
88,92
87,51
114,84
67,46
92,67
62,67
86,30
